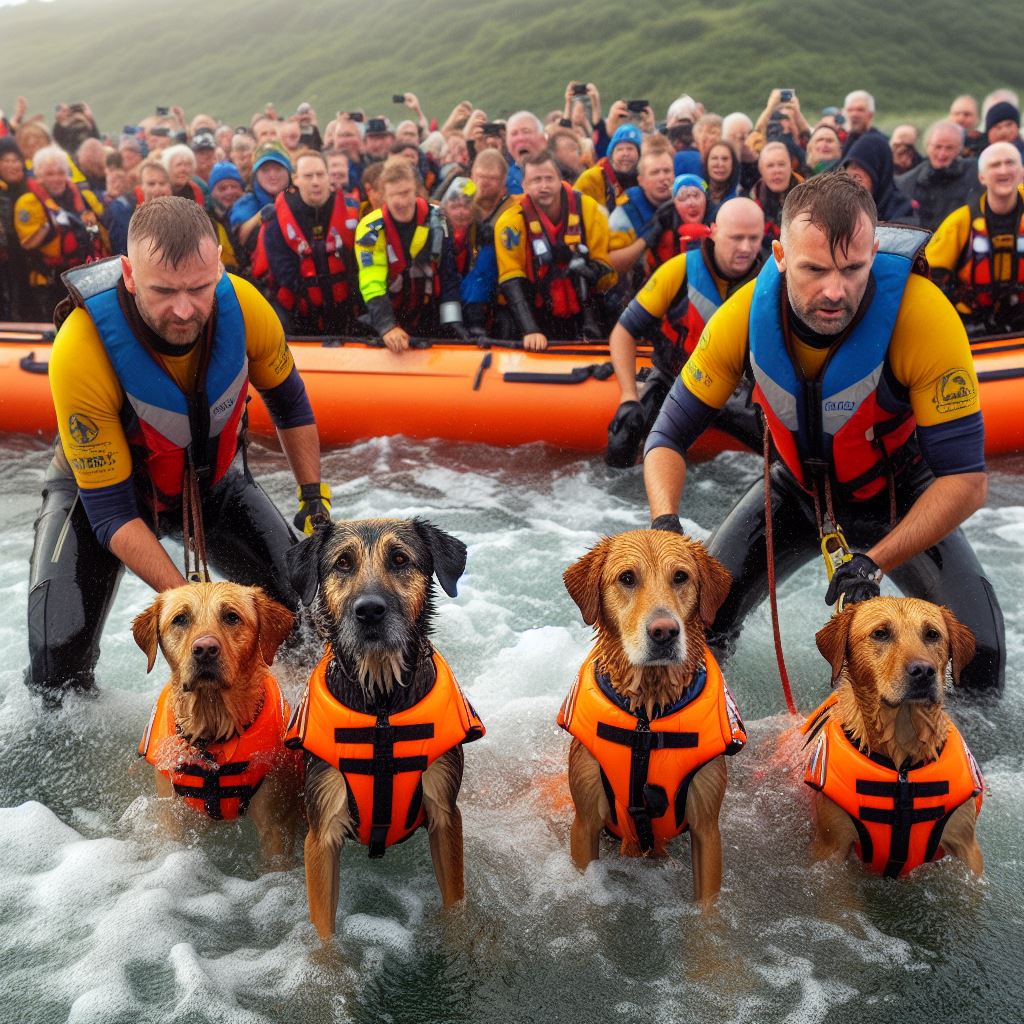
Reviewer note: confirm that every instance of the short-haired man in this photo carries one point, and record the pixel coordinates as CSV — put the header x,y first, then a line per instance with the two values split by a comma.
x,y
874,431
524,138
670,312
777,180
903,144
154,181
616,170
944,181
149,376
975,254
963,111
337,170
568,153
243,146
859,108
58,226
91,160
309,246
553,261
348,137
407,273
289,134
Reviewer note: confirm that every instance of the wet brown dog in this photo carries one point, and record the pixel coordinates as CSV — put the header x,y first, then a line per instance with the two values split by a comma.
x,y
650,715
895,780
383,720
216,736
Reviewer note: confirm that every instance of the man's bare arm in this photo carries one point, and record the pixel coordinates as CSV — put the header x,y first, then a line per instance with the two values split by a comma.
x,y
136,546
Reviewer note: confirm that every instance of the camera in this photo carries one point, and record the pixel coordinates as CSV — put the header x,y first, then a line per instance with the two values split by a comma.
x,y
162,111
130,129
356,115
398,97
637,106
774,130
579,88
490,128
785,95
564,122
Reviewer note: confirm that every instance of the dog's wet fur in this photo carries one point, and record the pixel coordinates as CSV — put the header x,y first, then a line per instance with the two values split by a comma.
x,y
219,640
649,594
368,584
889,659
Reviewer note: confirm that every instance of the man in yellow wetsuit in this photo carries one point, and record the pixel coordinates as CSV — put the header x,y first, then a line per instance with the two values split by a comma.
x,y
552,246
976,255
149,376
871,428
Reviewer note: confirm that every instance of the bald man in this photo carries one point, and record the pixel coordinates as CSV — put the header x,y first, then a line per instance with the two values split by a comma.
x,y
670,312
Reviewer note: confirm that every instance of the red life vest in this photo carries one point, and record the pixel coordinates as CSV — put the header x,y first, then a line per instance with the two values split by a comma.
x,y
340,235
553,285
77,245
612,188
383,756
979,287
413,281
647,766
900,813
219,779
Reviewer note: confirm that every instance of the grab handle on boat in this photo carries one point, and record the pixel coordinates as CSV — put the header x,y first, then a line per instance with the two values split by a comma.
x,y
30,364
577,375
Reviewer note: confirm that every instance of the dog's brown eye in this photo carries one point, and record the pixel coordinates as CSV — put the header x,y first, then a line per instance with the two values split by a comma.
x,y
399,558
181,619
343,565
680,577
627,578
882,633
932,634
231,618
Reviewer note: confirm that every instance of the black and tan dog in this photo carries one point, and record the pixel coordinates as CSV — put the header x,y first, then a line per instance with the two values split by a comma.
x,y
216,735
650,715
383,719
894,779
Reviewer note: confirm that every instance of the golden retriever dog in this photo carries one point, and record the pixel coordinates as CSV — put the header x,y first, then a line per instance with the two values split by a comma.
x,y
650,715
894,780
216,735
383,720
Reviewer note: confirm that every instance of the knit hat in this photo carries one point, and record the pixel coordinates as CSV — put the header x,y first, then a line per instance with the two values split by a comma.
x,y
999,112
626,133
270,151
8,145
689,181
222,170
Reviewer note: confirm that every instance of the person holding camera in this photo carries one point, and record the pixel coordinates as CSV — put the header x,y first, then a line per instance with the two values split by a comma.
x,y
553,261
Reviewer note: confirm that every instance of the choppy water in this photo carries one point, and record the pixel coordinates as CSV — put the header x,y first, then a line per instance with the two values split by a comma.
x,y
106,920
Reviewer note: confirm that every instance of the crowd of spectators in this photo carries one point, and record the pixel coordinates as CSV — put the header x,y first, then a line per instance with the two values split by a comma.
x,y
527,227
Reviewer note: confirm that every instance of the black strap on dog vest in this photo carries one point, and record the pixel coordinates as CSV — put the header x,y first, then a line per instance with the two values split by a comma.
x,y
645,801
212,792
383,766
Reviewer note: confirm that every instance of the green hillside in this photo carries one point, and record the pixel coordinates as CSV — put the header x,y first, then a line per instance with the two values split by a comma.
x,y
232,56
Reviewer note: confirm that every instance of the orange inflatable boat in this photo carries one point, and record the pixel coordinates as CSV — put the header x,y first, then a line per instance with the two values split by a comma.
x,y
498,395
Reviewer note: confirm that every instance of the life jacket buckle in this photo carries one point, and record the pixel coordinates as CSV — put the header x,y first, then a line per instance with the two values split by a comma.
x,y
834,550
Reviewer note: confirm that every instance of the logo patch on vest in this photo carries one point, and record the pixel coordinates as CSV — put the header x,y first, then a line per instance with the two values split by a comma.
x,y
954,390
840,405
510,238
82,429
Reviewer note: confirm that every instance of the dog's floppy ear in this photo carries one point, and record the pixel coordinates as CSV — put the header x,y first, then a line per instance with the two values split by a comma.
x,y
303,561
583,581
448,554
832,639
961,643
275,623
146,632
714,583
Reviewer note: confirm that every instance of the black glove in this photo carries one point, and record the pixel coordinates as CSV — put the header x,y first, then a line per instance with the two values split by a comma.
x,y
519,306
625,432
459,331
381,314
668,522
662,220
855,580
593,271
267,212
314,500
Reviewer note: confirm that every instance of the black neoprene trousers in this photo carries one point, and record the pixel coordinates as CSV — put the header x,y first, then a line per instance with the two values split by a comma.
x,y
948,573
73,579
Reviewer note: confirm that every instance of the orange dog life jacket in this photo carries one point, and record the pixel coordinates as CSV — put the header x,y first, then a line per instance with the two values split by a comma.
x,y
220,779
645,762
899,813
383,756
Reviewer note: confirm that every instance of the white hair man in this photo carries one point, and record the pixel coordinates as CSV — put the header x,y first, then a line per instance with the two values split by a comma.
x,y
859,108
942,182
524,138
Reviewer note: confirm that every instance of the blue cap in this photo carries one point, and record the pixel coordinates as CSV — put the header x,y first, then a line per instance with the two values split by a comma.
x,y
689,181
270,151
626,133
222,170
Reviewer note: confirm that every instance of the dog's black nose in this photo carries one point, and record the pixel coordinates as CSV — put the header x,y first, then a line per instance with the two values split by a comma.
x,y
206,648
663,629
920,678
370,609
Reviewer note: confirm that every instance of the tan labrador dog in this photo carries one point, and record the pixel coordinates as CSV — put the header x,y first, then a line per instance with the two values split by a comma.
x,y
894,779
216,735
650,714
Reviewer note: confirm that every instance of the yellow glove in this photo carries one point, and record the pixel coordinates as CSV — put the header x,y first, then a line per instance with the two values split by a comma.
x,y
314,500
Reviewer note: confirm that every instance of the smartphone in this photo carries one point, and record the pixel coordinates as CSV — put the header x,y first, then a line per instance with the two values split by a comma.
x,y
356,115
785,95
162,111
579,88
491,128
398,97
637,106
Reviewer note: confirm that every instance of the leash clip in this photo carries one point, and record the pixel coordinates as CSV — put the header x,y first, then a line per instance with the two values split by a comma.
x,y
834,550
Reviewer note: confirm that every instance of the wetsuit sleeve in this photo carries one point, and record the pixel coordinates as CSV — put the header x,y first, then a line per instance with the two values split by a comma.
x,y
371,257
510,244
683,418
716,365
109,508
945,246
931,357
449,271
288,403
